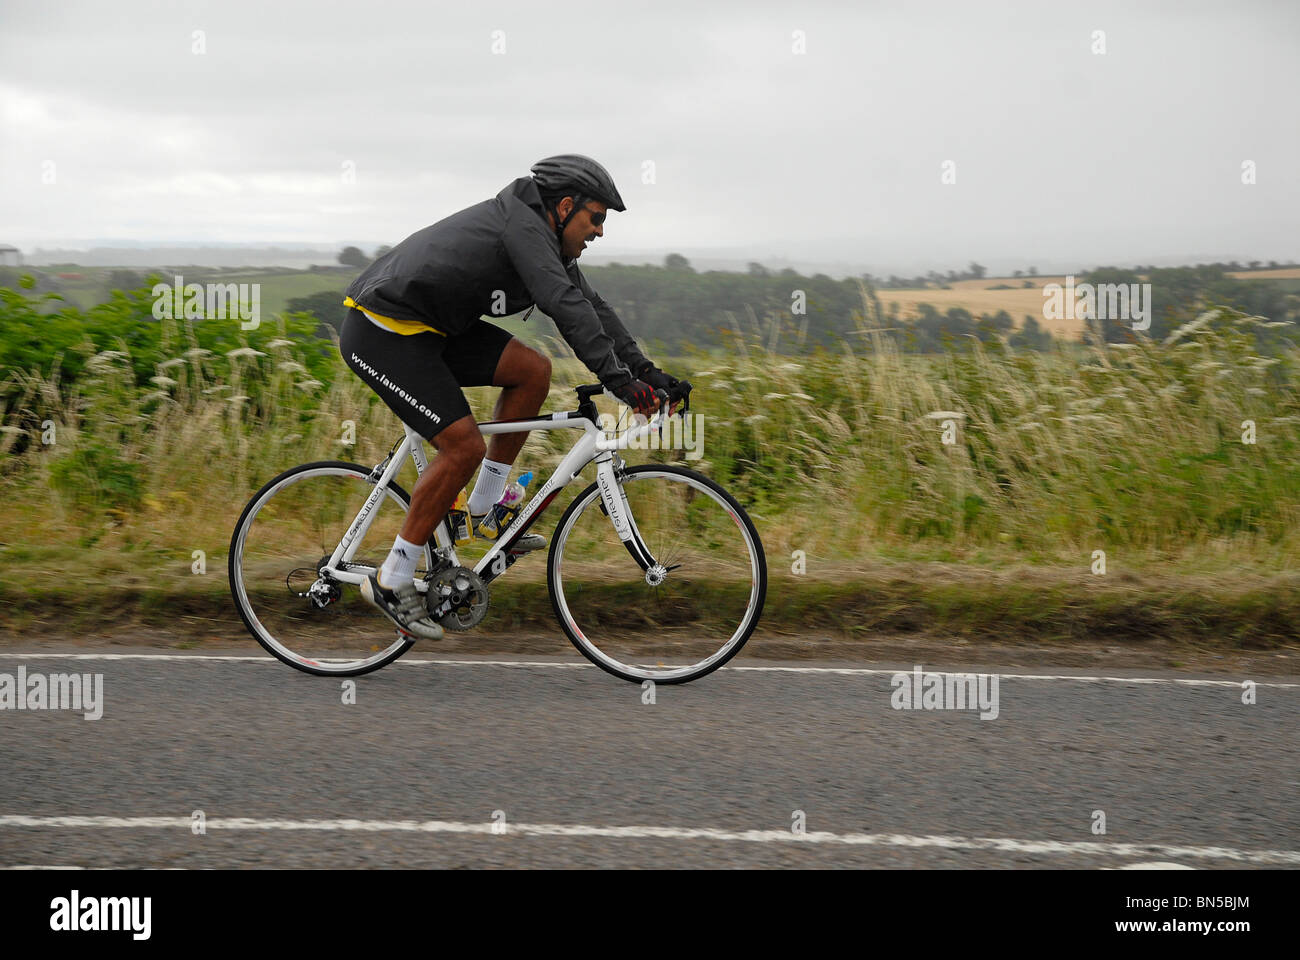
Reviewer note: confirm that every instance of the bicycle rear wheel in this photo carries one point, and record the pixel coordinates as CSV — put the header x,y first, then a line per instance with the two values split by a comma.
x,y
286,533
681,619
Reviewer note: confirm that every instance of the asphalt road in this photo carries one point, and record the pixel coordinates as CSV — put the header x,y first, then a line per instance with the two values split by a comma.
x,y
546,762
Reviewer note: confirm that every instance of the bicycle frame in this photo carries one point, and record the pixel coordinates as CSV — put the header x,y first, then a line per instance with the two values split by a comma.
x,y
592,445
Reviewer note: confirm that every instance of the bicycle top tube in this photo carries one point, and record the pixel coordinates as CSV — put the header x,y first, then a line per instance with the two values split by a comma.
x,y
587,418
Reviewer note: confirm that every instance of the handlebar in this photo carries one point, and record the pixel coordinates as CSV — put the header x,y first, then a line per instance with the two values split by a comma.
x,y
666,398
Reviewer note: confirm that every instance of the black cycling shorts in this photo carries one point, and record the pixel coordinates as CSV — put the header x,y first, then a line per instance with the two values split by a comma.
x,y
420,375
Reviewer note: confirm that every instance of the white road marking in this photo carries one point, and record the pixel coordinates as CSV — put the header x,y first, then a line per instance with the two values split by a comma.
x,y
1019,676
843,671
1155,865
997,844
131,656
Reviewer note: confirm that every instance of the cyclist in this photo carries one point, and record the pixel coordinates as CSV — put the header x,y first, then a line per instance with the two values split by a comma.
x,y
416,336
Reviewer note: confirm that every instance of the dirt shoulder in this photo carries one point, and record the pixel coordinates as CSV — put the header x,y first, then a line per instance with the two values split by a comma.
x,y
931,614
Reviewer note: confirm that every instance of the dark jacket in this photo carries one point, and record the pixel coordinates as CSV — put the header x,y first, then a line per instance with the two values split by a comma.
x,y
448,274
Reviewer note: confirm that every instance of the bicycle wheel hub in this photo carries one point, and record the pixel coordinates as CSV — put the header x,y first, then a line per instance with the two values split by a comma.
x,y
656,574
325,590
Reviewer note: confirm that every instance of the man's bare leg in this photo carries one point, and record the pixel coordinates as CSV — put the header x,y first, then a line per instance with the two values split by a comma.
x,y
460,451
391,588
526,376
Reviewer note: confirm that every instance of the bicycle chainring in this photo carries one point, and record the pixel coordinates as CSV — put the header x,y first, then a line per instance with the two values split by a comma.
x,y
457,598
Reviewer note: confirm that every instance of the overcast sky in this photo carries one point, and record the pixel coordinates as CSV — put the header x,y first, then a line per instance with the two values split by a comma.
x,y
324,122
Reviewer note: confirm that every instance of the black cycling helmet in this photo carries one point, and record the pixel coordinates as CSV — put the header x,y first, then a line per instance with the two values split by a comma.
x,y
573,171
572,174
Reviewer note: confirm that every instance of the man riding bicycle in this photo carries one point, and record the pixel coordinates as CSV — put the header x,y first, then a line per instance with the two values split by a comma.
x,y
416,336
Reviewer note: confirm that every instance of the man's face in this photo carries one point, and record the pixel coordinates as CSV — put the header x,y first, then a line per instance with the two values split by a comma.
x,y
587,224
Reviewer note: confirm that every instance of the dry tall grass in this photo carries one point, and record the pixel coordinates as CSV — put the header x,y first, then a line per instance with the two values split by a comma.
x,y
1136,450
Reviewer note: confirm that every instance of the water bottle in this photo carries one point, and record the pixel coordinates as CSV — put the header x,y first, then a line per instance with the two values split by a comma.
x,y
508,507
514,495
458,519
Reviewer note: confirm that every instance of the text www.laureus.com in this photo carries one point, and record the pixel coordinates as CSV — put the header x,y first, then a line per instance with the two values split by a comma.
x,y
396,389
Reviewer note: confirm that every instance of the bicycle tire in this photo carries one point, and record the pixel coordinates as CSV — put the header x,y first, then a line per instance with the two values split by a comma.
x,y
280,647
619,575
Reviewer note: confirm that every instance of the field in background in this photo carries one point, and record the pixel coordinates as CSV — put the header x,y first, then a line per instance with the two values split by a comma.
x,y
975,296
1289,273
1288,280
278,286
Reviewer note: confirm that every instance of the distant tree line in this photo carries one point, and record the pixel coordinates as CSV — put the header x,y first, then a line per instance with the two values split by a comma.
x,y
934,279
1178,293
672,305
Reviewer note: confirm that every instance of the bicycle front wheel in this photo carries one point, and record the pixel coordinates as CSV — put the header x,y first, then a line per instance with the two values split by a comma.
x,y
284,536
688,614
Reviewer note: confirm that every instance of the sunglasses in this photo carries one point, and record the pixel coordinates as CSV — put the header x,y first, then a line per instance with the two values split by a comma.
x,y
596,218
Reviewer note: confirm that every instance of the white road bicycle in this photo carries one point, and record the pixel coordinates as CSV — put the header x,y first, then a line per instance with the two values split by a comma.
x,y
654,571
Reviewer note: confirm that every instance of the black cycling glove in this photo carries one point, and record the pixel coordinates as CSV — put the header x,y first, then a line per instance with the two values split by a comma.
x,y
657,378
638,395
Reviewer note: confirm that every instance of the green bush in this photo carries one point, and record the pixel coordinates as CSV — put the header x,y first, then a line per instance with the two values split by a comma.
x,y
97,476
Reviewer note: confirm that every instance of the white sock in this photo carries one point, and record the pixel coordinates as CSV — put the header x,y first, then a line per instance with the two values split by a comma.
x,y
399,568
491,485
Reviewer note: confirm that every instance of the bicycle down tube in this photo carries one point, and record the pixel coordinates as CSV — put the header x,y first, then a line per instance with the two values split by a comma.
x,y
591,446
347,547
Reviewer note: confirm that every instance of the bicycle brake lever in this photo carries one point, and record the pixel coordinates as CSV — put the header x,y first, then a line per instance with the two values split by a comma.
x,y
681,393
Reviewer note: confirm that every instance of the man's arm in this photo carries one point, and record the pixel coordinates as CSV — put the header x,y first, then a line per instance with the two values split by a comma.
x,y
625,344
533,253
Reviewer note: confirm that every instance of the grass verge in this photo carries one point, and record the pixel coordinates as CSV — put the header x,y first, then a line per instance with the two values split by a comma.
x,y
1051,606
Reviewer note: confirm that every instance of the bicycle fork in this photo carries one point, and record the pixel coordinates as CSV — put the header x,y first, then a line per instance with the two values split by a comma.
x,y
615,506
